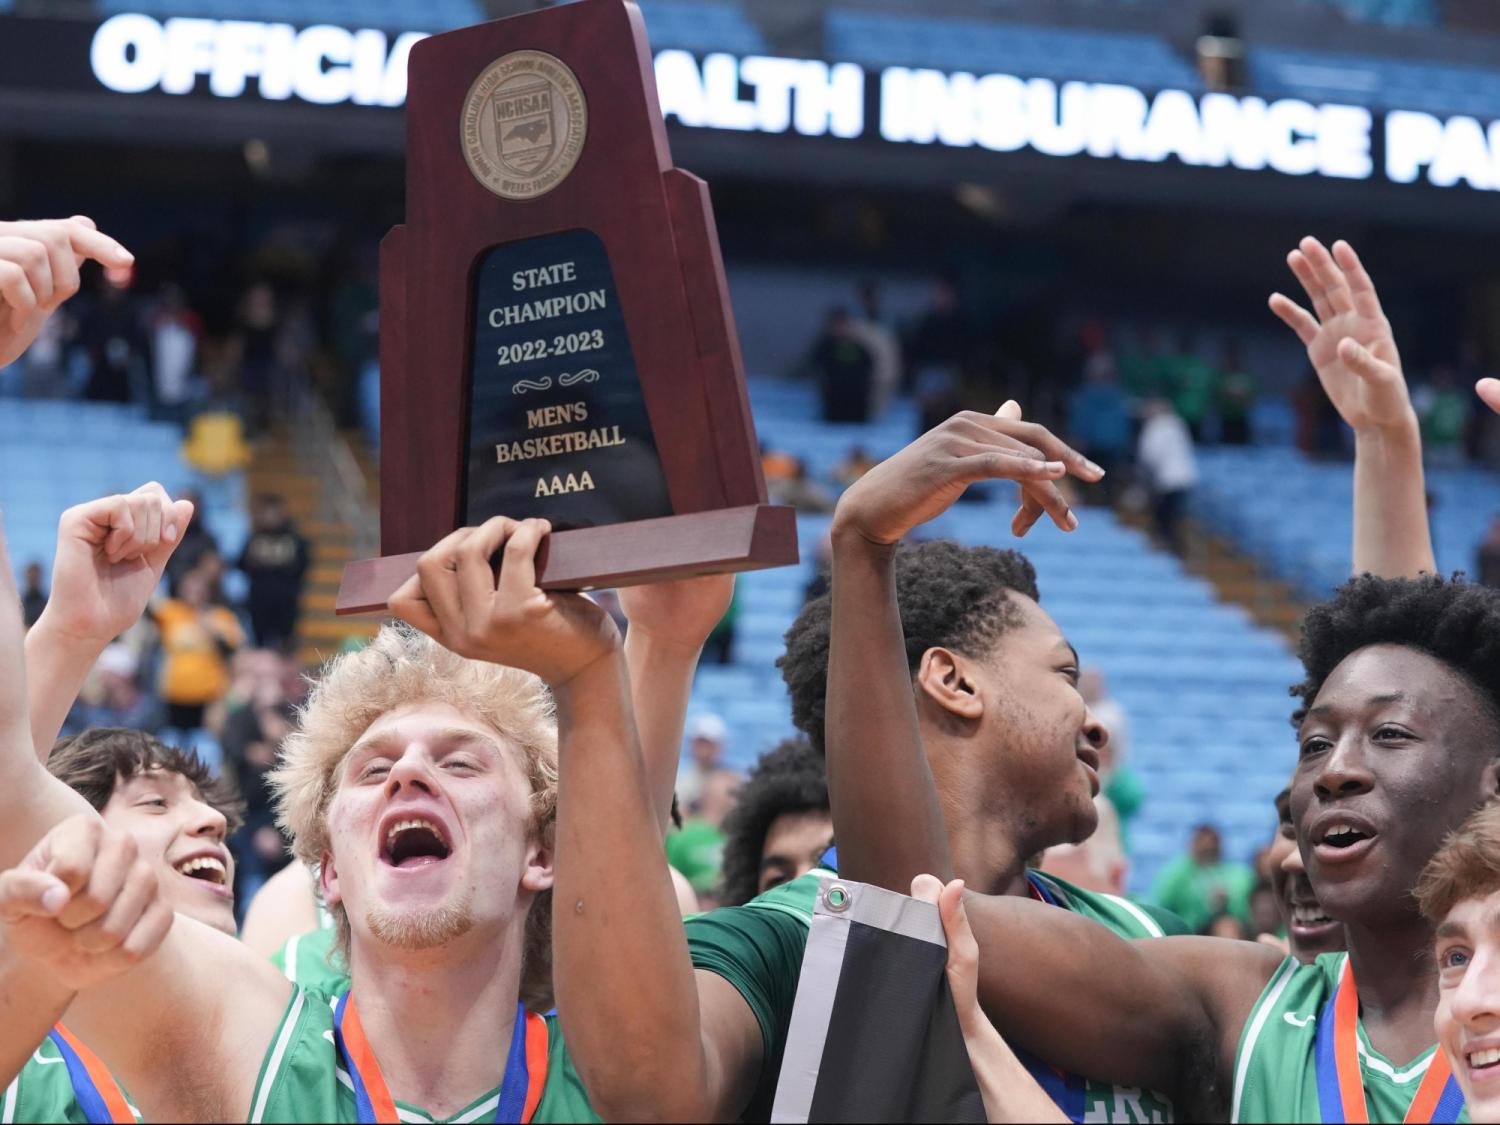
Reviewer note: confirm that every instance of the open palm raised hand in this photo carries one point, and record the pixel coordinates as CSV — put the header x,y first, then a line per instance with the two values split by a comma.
x,y
1347,336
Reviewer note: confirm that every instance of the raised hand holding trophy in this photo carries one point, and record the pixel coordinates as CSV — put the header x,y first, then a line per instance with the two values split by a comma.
x,y
556,337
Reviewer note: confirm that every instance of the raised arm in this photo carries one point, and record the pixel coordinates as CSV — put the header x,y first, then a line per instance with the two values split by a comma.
x,y
32,801
110,556
887,818
626,990
1350,345
669,624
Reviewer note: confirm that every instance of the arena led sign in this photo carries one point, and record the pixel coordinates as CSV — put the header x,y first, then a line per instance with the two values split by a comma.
x,y
327,65
323,64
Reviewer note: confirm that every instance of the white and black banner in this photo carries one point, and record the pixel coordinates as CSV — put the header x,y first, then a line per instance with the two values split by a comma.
x,y
874,1035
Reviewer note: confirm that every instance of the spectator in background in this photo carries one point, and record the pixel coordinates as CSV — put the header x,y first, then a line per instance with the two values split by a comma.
x,y
1145,369
854,465
696,849
1200,885
1098,863
112,695
706,738
1265,913
1445,411
257,343
268,688
1489,556
175,333
197,639
844,370
116,344
197,541
1166,457
1118,781
1193,385
1226,925
275,561
780,825
776,464
822,570
33,596
1237,390
802,492
1099,418
871,330
720,644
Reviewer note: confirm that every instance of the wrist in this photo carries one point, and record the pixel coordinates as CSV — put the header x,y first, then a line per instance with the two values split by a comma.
x,y
1404,428
592,681
71,647
848,538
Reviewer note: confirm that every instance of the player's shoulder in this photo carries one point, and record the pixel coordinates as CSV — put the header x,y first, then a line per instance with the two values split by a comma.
x,y
1126,918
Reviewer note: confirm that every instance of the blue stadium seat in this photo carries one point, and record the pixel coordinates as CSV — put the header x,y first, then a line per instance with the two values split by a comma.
x,y
1381,83
393,15
984,47
701,28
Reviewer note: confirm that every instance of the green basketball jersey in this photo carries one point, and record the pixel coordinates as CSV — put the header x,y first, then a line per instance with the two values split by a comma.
x,y
758,948
303,1077
1275,1067
44,1092
309,960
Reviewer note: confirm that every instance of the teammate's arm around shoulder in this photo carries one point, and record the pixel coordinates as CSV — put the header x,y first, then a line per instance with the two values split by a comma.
x,y
1161,1013
1009,1092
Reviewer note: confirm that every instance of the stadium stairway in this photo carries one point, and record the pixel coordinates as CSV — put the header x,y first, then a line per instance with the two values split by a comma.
x,y
1204,686
320,632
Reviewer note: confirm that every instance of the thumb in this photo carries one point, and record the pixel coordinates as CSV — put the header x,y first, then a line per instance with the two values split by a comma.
x,y
1011,411
926,888
31,894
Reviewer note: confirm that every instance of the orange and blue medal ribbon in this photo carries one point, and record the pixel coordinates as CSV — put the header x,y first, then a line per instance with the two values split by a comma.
x,y
98,1094
1341,1089
520,1089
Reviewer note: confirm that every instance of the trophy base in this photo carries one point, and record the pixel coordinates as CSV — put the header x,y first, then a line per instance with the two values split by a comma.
x,y
754,537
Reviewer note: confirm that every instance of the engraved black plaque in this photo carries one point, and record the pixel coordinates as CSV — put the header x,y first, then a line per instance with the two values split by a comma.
x,y
557,425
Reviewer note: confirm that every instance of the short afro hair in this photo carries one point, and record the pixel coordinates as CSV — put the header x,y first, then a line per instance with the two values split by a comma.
x,y
789,779
950,597
1454,621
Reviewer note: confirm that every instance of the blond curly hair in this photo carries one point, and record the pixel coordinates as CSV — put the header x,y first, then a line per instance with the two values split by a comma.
x,y
402,666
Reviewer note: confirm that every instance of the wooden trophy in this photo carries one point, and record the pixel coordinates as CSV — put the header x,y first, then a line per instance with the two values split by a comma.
x,y
556,337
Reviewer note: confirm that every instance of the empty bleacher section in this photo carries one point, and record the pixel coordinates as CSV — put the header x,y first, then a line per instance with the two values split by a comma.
x,y
1205,689
701,27
57,454
985,47
1375,82
1295,515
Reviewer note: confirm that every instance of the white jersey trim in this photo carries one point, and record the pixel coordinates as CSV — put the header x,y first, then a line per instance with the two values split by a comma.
x,y
1148,922
289,958
8,1104
1257,1024
268,1081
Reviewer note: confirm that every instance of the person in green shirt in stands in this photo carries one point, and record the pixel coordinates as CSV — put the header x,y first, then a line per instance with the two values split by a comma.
x,y
1200,884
